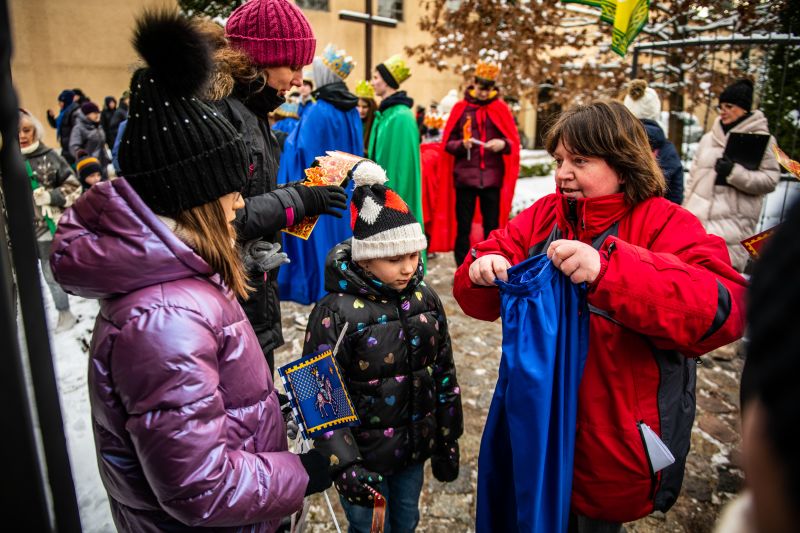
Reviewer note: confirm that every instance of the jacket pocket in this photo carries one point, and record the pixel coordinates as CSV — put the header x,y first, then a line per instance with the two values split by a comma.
x,y
653,475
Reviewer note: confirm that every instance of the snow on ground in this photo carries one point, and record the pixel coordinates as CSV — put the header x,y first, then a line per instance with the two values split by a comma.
x,y
70,349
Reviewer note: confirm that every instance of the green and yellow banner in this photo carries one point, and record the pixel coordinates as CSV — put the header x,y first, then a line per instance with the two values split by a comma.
x,y
628,17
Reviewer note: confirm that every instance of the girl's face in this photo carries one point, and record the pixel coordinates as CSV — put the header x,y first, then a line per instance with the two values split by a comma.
x,y
363,108
395,272
231,203
582,176
282,79
27,132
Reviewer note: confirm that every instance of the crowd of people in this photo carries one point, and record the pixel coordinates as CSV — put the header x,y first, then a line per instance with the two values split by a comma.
x,y
174,207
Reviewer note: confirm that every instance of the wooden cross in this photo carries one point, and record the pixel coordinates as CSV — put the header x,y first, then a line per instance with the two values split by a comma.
x,y
368,20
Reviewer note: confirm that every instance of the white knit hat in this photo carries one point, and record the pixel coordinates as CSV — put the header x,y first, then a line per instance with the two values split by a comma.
x,y
643,101
383,225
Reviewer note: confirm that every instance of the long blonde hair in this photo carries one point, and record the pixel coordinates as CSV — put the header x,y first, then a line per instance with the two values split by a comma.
x,y
213,238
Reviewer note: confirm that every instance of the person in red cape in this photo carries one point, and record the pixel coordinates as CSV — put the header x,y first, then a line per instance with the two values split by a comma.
x,y
484,166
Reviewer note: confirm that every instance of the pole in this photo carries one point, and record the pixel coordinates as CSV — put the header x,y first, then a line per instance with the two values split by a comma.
x,y
17,193
368,54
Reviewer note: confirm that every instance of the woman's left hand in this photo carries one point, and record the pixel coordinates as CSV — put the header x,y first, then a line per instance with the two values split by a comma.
x,y
575,259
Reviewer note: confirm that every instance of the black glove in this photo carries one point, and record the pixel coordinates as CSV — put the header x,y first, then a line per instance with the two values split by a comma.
x,y
316,466
350,484
262,255
723,167
444,462
288,416
322,200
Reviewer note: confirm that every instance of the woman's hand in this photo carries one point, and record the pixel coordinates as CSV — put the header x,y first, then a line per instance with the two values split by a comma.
x,y
575,259
484,270
496,145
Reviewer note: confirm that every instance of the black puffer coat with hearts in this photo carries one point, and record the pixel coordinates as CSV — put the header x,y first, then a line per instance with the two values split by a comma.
x,y
397,364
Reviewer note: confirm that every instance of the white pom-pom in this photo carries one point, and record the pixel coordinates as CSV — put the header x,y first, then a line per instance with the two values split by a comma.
x,y
369,173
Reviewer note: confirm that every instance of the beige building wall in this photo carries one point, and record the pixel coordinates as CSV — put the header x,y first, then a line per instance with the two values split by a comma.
x,y
425,83
60,44
63,44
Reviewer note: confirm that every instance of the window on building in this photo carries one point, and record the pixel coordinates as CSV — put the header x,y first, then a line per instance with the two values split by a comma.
x,y
321,5
391,8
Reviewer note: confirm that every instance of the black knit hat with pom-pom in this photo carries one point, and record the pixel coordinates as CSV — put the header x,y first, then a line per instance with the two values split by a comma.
x,y
177,152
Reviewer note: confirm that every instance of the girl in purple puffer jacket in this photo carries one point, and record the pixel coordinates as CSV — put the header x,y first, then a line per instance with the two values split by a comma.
x,y
187,426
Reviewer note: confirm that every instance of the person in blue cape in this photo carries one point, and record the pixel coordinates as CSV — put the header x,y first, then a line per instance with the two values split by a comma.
x,y
333,123
286,117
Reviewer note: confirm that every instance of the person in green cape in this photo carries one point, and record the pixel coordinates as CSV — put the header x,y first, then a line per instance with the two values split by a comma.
x,y
394,139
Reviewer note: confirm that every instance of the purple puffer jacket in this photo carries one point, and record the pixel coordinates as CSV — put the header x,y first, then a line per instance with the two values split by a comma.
x,y
187,427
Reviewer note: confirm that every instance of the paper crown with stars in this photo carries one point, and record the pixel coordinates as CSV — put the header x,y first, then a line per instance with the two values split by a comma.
x,y
396,68
338,61
487,72
364,89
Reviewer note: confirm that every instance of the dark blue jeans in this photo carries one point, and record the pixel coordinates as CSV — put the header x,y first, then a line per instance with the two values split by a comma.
x,y
402,492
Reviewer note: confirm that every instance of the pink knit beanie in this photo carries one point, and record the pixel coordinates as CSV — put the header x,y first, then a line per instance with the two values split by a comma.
x,y
273,33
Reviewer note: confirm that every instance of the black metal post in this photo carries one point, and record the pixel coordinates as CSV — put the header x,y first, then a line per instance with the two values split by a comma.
x,y
17,193
635,63
368,40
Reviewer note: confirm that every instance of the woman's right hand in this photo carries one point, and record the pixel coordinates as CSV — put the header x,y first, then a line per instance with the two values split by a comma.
x,y
486,269
316,466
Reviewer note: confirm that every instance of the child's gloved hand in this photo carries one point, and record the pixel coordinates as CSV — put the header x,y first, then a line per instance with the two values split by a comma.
x,y
262,255
292,429
41,196
445,461
350,484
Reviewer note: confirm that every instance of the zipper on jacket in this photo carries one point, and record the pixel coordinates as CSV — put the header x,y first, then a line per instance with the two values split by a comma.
x,y
572,211
410,375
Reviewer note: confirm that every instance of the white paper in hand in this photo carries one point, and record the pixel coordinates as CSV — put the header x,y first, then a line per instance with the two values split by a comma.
x,y
657,451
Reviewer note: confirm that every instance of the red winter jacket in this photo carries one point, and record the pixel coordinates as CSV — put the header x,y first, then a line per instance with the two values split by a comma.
x,y
666,292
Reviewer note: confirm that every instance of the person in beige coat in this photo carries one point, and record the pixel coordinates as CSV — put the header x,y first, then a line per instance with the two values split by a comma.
x,y
725,196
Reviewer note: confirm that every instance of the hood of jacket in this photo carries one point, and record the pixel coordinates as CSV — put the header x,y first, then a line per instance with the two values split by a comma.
x,y
655,134
343,275
110,243
337,94
398,98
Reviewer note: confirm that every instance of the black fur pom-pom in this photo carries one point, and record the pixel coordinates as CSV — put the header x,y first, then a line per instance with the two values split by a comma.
x,y
178,55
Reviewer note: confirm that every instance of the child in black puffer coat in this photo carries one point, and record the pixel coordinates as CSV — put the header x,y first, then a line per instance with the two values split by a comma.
x,y
396,360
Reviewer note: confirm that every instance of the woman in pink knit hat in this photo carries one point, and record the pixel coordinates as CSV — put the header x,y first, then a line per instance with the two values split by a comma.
x,y
259,57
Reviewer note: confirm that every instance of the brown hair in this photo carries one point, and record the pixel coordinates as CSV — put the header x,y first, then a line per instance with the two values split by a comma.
x,y
606,129
369,120
231,66
213,239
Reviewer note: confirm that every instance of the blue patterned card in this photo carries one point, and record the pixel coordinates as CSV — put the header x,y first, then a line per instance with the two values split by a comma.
x,y
318,396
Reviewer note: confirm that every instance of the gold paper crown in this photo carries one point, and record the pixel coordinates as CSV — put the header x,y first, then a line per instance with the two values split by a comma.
x,y
396,66
337,61
434,120
487,71
364,89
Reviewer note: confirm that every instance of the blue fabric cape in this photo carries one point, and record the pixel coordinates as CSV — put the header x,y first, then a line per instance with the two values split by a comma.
x,y
528,445
287,125
322,127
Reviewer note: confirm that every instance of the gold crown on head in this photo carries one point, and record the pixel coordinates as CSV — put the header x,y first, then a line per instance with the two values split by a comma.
x,y
396,66
364,89
487,71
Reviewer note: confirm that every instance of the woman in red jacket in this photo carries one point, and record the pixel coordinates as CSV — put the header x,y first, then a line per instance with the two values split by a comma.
x,y
661,291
